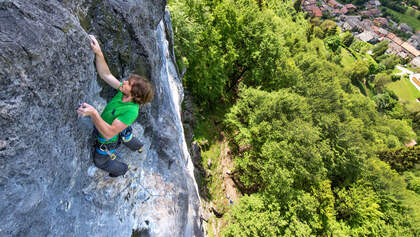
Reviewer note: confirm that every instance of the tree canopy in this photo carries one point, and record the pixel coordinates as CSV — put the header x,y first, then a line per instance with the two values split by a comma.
x,y
305,140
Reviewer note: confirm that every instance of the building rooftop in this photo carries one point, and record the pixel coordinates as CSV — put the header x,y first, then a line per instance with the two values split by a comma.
x,y
333,3
413,51
317,12
381,21
350,6
394,47
367,36
395,39
382,31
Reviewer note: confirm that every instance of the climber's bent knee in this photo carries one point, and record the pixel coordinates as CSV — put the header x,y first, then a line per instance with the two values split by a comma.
x,y
131,142
134,144
100,160
114,167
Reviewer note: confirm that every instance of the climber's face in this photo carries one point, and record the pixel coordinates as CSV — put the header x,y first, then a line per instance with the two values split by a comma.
x,y
126,87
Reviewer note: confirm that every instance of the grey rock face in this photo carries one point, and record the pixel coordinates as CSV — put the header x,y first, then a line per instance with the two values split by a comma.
x,y
48,184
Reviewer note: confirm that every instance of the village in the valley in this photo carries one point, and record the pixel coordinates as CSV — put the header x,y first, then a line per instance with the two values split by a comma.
x,y
369,25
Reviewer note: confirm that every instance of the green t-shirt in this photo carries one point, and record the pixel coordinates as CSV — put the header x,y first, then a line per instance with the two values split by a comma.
x,y
126,112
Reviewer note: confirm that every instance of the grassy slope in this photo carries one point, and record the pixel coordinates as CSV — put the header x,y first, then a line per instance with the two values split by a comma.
x,y
407,93
347,60
412,21
396,71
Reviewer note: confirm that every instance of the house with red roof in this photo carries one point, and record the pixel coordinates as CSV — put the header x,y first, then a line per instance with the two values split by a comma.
x,y
334,4
350,7
317,12
336,12
394,38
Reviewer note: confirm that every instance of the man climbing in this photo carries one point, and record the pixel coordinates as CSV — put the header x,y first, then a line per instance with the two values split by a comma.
x,y
113,125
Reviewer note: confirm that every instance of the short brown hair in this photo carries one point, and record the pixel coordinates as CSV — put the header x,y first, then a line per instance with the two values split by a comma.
x,y
142,90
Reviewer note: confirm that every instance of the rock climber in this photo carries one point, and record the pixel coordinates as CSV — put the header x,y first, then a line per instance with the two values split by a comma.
x,y
113,125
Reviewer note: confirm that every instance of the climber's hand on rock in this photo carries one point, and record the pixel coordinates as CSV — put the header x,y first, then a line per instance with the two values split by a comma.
x,y
94,45
86,110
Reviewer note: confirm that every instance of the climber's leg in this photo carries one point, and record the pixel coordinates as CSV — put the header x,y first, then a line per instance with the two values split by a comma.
x,y
109,163
131,142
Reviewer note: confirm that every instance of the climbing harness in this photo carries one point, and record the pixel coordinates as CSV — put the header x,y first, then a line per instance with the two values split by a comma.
x,y
104,150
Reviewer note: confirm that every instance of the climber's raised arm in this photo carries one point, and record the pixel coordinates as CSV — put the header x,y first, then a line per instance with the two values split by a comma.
x,y
101,65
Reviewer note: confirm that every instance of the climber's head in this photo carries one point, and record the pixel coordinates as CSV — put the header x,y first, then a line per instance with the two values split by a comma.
x,y
140,89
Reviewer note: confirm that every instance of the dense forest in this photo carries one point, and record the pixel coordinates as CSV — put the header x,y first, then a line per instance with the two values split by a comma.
x,y
318,144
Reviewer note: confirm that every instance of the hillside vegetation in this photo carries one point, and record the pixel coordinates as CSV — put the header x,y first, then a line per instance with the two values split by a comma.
x,y
312,134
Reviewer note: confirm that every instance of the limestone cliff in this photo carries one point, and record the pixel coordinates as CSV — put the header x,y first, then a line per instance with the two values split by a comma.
x,y
48,183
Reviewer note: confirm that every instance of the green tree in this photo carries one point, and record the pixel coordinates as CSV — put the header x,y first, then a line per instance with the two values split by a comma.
x,y
333,42
391,61
381,79
200,46
302,135
347,38
400,207
251,217
415,118
384,102
329,28
359,71
360,46
359,2
413,181
401,158
297,5
358,204
277,113
231,41
318,32
380,48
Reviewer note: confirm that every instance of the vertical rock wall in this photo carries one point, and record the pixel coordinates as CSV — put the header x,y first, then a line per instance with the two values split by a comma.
x,y
48,184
